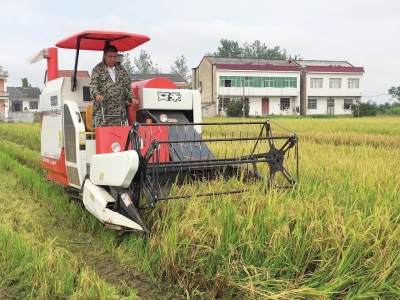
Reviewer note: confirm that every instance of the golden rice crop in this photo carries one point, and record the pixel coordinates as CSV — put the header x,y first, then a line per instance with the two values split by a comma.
x,y
334,236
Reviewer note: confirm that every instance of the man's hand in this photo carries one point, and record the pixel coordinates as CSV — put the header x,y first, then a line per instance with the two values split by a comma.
x,y
135,101
99,97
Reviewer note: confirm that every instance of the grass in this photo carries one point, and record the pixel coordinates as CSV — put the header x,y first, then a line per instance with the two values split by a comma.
x,y
32,266
335,236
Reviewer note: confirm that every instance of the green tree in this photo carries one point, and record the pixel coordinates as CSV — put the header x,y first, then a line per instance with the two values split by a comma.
x,y
144,64
127,64
230,48
25,82
384,107
256,50
189,82
368,109
180,67
394,92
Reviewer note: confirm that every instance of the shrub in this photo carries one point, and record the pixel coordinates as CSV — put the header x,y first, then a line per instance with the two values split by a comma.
x,y
235,108
364,110
393,111
321,116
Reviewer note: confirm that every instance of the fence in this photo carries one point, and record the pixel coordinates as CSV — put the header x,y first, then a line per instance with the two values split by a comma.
x,y
20,117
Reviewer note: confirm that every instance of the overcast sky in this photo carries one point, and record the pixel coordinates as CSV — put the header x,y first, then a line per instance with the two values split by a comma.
x,y
366,33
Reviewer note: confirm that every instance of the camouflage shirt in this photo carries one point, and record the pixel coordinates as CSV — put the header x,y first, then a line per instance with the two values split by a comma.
x,y
117,95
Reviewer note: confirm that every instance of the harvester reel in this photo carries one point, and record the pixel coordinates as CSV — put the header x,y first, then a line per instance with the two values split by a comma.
x,y
225,153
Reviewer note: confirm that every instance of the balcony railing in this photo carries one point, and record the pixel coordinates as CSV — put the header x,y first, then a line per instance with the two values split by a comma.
x,y
4,94
4,73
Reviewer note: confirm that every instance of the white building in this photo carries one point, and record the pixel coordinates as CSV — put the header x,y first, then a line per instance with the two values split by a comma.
x,y
330,87
24,99
3,93
278,87
269,86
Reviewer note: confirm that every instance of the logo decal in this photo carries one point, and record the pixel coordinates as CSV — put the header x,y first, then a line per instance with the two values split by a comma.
x,y
54,100
169,96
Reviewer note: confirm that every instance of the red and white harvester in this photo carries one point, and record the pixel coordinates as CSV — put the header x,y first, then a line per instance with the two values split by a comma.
x,y
161,143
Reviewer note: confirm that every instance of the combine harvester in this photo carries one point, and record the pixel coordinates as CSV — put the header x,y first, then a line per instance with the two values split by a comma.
x,y
161,144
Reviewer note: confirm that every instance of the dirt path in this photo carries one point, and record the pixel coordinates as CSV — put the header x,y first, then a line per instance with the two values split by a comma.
x,y
41,222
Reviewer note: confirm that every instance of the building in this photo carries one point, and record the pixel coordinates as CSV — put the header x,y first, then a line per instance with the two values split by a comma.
x,y
4,98
69,73
179,80
330,87
24,99
268,86
280,87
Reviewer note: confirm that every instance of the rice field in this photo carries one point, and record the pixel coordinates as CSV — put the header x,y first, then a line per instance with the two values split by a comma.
x,y
335,236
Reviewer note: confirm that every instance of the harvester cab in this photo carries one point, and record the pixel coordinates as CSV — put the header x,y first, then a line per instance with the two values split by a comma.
x,y
160,145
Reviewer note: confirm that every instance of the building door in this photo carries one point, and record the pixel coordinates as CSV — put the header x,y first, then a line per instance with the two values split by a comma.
x,y
330,110
16,106
265,106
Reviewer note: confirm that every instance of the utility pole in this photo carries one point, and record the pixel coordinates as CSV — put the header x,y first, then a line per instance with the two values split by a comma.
x,y
243,82
303,91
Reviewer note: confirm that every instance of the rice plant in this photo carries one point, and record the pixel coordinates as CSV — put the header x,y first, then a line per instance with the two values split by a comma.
x,y
335,236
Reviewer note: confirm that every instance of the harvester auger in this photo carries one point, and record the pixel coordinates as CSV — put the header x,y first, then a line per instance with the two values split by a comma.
x,y
162,150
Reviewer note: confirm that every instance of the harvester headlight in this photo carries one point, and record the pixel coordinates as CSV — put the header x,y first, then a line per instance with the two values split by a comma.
x,y
163,118
115,147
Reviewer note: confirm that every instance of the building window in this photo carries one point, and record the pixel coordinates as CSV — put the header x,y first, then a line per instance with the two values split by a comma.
x,y
312,104
280,82
335,83
285,103
347,103
258,82
316,83
353,83
227,83
33,105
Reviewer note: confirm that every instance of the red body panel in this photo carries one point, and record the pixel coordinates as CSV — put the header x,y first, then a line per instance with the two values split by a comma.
x,y
52,63
161,134
131,113
56,168
158,82
106,136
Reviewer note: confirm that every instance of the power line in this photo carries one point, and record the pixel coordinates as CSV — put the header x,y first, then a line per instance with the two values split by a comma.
x,y
373,96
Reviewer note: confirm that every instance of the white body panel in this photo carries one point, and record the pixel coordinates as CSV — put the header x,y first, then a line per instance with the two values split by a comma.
x,y
80,163
50,107
114,169
95,199
90,150
62,87
172,99
56,95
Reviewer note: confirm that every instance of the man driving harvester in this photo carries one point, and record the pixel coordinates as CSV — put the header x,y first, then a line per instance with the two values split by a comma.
x,y
110,90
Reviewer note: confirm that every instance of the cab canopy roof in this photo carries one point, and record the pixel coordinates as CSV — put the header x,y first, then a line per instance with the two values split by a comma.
x,y
96,40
